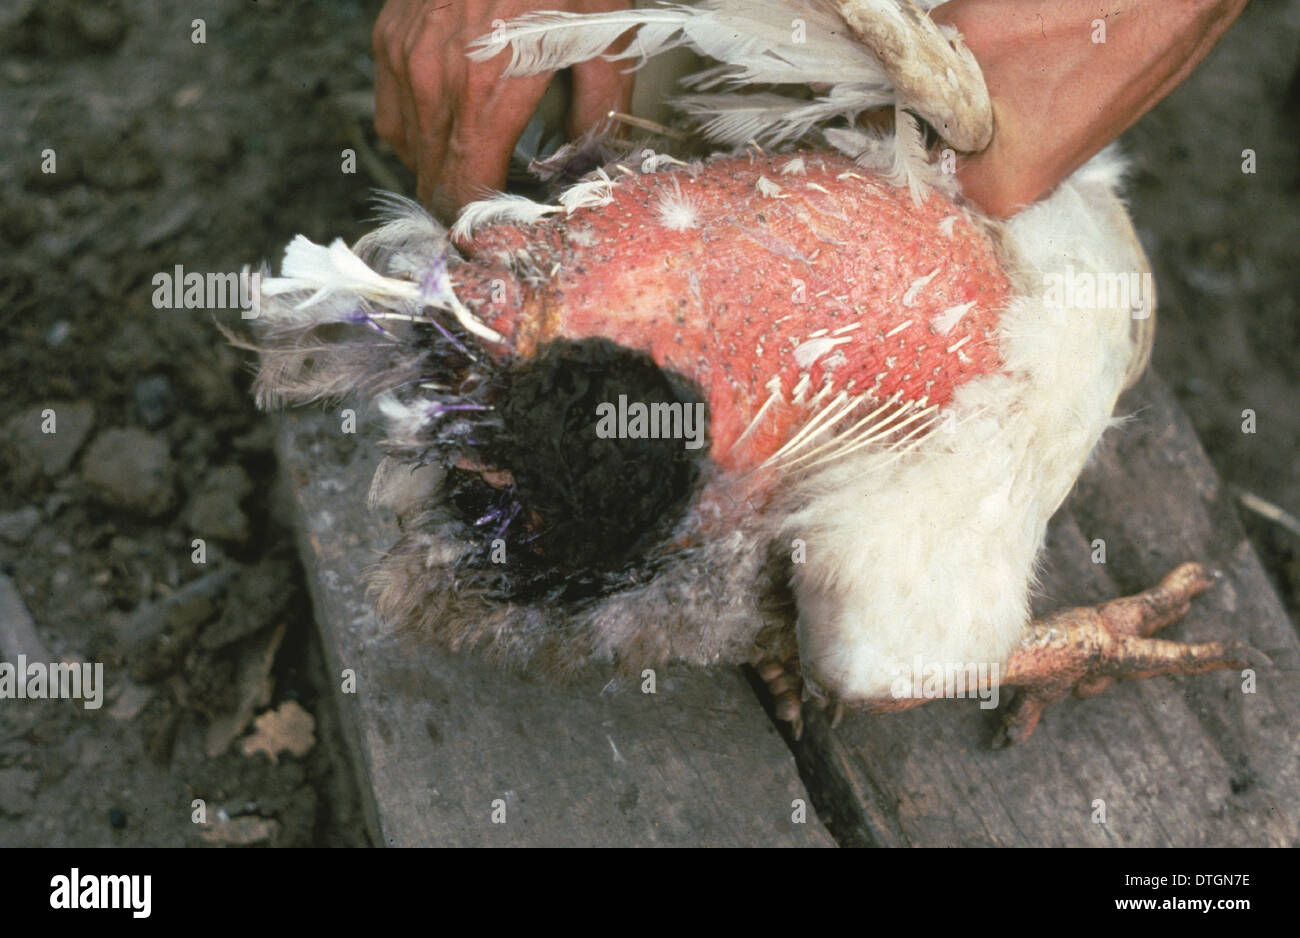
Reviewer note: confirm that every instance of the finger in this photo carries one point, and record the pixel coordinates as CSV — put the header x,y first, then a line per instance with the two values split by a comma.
x,y
434,105
598,88
420,78
489,124
410,125
389,122
390,80
435,75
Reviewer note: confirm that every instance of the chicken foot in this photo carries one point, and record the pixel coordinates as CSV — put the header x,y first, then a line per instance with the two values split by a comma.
x,y
1082,649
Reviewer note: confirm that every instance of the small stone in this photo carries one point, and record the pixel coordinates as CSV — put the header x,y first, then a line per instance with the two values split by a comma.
x,y
116,818
214,512
17,791
43,440
16,73
58,333
56,503
187,95
18,635
17,526
131,469
100,25
131,699
153,395
289,728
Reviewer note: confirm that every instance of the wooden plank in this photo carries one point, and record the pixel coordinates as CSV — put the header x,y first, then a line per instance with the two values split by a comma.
x,y
439,738
1177,761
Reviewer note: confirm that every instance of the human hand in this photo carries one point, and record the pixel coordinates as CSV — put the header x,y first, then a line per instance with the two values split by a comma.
x,y
1062,87
455,122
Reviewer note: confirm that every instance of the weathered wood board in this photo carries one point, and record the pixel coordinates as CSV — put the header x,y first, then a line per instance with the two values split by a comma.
x,y
439,738
1171,761
1188,761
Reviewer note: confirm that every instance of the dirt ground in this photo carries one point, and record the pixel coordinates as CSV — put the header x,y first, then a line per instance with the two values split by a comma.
x,y
212,155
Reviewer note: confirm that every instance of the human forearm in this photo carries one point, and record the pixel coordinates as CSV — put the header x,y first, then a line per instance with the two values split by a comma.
x,y
1059,94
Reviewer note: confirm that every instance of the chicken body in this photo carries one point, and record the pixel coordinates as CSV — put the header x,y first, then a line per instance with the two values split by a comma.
x,y
896,408
898,392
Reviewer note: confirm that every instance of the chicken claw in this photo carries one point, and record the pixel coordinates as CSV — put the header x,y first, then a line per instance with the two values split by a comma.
x,y
1086,649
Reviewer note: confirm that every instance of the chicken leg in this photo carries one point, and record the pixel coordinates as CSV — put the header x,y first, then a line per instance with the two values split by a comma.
x,y
1082,649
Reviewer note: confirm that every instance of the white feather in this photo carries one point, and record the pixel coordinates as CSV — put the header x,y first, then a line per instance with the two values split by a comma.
x,y
755,42
948,319
592,193
326,271
758,41
675,211
773,119
851,141
342,286
499,208
658,161
761,41
908,159
546,41
915,288
403,218
403,244
735,119
405,421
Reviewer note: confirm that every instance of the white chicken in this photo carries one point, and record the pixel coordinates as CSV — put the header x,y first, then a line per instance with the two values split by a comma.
x,y
900,391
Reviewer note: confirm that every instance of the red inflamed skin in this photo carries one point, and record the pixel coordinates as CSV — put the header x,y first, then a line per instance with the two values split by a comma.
x,y
775,283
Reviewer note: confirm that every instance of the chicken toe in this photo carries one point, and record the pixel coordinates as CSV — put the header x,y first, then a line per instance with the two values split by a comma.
x,y
1084,650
